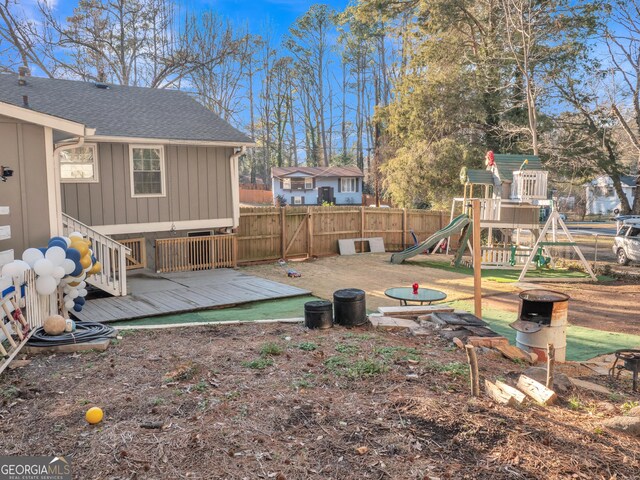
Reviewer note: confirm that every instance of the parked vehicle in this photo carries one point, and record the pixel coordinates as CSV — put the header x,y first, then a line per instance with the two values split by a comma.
x,y
626,244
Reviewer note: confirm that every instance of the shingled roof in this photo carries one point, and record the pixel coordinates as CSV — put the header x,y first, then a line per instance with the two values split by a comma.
x,y
317,171
122,111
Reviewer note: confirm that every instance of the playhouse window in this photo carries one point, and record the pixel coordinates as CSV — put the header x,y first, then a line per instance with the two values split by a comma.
x,y
348,185
147,171
79,165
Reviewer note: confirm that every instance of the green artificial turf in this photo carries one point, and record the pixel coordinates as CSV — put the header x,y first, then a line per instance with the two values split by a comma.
x,y
509,276
270,309
582,343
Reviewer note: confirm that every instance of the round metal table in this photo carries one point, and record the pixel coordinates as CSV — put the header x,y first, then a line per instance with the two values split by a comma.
x,y
424,295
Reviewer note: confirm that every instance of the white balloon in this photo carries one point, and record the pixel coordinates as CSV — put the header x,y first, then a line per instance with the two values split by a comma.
x,y
76,234
69,304
58,273
11,270
66,298
46,285
56,255
82,285
43,267
68,240
32,255
69,266
82,292
22,265
73,293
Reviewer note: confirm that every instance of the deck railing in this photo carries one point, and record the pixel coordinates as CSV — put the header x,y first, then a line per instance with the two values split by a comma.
x,y
183,254
138,256
529,185
490,209
110,253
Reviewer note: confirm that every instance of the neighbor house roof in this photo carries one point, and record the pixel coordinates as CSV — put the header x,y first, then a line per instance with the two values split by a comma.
x,y
628,180
317,171
478,177
122,111
506,164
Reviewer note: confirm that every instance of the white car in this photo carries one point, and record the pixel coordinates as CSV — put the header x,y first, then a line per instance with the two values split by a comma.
x,y
626,244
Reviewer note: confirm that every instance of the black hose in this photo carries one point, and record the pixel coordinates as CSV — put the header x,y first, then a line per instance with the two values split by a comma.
x,y
85,332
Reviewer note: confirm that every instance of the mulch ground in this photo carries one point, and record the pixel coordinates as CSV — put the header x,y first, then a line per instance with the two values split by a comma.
x,y
277,401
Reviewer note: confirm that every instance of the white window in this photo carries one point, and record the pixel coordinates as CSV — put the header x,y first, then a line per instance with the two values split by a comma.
x,y
286,184
147,170
79,165
348,185
308,183
297,200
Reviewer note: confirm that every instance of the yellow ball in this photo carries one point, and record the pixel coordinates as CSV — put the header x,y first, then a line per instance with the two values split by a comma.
x,y
54,325
94,415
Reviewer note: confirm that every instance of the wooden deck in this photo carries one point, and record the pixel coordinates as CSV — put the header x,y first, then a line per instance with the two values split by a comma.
x,y
154,294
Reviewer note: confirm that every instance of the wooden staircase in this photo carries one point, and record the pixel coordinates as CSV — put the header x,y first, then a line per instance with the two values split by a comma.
x,y
110,253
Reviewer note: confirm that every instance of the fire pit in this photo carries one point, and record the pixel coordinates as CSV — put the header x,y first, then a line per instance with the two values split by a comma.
x,y
542,320
630,361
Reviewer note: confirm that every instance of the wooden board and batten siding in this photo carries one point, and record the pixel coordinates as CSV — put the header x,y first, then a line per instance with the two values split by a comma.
x,y
271,233
197,187
25,194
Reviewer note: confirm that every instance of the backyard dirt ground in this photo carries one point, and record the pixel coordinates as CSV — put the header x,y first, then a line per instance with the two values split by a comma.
x,y
611,306
278,401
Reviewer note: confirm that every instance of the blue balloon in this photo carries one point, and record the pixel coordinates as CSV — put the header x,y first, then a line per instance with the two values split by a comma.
x,y
79,300
57,239
77,308
77,271
43,250
58,243
73,254
93,259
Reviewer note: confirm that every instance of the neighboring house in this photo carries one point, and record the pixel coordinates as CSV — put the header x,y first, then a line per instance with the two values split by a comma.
x,y
124,161
601,196
318,185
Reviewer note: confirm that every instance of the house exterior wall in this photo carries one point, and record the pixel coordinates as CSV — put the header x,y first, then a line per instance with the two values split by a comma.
x,y
598,204
197,187
26,192
311,196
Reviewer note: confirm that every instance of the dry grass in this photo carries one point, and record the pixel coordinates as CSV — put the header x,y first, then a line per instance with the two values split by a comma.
x,y
347,404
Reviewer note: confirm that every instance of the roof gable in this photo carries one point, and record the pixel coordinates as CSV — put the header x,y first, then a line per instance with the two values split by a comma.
x,y
122,111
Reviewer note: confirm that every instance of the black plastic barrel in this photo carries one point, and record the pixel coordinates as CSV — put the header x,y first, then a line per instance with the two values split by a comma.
x,y
318,314
350,307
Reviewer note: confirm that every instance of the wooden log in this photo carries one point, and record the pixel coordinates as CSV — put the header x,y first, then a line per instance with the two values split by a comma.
x,y
513,353
535,390
498,394
551,363
518,396
474,377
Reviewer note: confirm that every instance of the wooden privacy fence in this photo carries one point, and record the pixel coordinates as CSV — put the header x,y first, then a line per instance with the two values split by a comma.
x,y
271,233
256,196
182,254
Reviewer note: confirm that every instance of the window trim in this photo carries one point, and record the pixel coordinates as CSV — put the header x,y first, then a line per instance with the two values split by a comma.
x,y
310,179
162,171
96,169
297,197
286,181
351,179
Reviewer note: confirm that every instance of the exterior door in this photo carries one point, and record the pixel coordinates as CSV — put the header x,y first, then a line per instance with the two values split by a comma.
x,y
326,194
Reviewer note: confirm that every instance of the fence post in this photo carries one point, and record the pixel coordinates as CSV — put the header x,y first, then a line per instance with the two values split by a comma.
x,y
404,228
362,235
235,251
310,231
283,232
